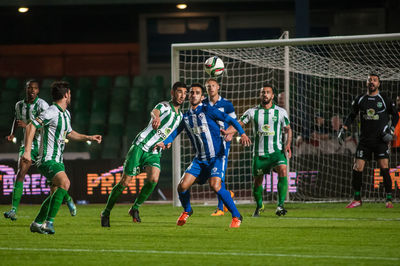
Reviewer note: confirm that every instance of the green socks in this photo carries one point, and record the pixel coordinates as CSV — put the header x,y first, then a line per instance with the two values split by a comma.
x,y
258,195
389,197
282,190
44,209
146,191
357,195
67,198
112,199
55,203
17,194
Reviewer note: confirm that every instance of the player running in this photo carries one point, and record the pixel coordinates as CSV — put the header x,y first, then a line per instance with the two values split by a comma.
x,y
26,111
165,117
269,121
377,132
224,105
201,125
56,124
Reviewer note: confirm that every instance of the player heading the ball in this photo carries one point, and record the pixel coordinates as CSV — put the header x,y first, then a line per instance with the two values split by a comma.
x,y
201,125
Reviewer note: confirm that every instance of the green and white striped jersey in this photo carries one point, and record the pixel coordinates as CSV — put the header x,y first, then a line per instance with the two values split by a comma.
x,y
267,128
170,120
56,125
28,112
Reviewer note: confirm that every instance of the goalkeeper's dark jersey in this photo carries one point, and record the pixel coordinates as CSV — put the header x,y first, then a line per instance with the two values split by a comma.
x,y
374,114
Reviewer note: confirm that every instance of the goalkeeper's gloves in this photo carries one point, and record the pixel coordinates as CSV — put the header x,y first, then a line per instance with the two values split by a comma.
x,y
341,135
387,134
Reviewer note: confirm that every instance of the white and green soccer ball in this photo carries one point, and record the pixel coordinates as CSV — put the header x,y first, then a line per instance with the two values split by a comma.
x,y
214,66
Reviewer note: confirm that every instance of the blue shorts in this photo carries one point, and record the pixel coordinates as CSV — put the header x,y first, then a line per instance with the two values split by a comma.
x,y
203,170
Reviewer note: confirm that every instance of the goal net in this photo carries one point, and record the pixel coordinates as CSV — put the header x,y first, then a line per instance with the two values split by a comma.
x,y
315,80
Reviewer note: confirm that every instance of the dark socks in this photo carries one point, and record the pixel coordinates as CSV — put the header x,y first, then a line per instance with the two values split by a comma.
x,y
184,197
387,182
357,183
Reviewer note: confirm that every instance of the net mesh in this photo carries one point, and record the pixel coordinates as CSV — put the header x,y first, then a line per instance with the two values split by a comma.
x,y
324,79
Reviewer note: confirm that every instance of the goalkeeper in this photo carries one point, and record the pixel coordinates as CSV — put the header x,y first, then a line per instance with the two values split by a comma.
x,y
376,133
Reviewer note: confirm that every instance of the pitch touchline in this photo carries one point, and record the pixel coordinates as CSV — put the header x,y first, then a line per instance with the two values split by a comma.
x,y
200,253
340,219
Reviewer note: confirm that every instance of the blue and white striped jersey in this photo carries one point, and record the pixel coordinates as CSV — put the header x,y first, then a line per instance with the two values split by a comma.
x,y
226,107
204,132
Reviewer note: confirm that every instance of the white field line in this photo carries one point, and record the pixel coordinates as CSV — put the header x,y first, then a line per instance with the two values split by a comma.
x,y
204,253
340,219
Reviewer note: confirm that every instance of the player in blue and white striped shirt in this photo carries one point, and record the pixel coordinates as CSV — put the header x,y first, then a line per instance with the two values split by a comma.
x,y
200,124
224,105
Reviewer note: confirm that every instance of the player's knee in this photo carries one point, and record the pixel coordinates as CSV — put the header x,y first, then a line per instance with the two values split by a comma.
x,y
65,184
258,181
125,180
358,167
282,171
215,187
180,188
21,176
153,179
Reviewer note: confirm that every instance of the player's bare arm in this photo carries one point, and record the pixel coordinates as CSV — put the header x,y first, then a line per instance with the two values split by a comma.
x,y
245,140
231,130
29,135
160,145
288,143
73,135
155,116
21,123
13,128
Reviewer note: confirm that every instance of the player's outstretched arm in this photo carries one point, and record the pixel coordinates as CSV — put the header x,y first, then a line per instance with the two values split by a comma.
x,y
244,139
230,130
73,135
29,135
13,128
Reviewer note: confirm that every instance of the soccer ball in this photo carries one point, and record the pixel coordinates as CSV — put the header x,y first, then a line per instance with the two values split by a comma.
x,y
214,66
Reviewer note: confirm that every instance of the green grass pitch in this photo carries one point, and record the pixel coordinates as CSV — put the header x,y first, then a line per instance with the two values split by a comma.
x,y
310,234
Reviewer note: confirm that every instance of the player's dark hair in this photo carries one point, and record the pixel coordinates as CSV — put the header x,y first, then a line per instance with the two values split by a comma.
x,y
59,89
31,81
199,86
211,79
266,84
375,75
177,85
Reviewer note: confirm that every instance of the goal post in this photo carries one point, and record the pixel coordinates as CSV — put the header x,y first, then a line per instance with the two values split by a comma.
x,y
320,78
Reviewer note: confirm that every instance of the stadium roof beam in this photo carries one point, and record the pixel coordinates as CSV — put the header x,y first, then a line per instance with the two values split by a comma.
x,y
116,2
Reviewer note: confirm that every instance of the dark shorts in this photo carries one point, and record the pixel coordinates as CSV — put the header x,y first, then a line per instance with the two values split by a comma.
x,y
379,149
